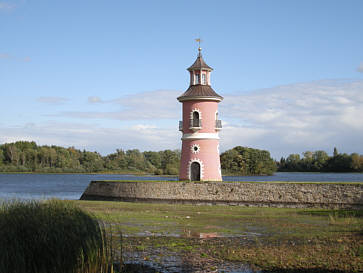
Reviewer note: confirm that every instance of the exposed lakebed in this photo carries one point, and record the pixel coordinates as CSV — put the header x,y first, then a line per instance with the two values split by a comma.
x,y
186,238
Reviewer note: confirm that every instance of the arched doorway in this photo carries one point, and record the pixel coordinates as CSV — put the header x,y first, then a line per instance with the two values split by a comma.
x,y
195,171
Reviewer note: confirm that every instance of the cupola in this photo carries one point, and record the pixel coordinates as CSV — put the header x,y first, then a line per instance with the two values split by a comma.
x,y
199,87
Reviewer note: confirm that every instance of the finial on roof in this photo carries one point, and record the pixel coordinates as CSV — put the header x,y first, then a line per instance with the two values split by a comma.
x,y
199,62
198,40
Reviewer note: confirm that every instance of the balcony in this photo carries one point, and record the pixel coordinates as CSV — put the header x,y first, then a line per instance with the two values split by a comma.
x,y
218,125
180,125
195,124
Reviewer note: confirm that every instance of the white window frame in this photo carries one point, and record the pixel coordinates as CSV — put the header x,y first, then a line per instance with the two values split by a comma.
x,y
196,78
204,79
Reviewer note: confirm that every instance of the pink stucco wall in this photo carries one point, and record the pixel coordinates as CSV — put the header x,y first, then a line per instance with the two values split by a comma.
x,y
208,155
208,111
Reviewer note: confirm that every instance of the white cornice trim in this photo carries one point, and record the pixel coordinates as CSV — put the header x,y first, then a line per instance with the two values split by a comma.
x,y
200,136
200,98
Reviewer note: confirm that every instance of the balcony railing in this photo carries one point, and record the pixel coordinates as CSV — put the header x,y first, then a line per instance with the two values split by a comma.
x,y
218,124
180,125
195,124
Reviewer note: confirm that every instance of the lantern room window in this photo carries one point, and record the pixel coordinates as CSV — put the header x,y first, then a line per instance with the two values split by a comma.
x,y
196,79
204,79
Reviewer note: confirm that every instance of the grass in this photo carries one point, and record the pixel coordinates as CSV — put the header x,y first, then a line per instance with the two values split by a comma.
x,y
164,219
274,239
66,237
53,236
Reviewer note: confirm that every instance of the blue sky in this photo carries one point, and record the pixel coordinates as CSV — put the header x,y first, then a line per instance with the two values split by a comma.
x,y
103,75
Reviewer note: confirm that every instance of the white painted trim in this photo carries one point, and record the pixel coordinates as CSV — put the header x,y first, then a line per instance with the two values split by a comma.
x,y
201,136
195,151
195,78
201,168
196,110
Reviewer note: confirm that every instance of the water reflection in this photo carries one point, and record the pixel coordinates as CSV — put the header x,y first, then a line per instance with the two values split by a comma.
x,y
165,261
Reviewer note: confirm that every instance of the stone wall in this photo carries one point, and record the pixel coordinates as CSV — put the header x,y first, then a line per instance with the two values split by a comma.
x,y
323,195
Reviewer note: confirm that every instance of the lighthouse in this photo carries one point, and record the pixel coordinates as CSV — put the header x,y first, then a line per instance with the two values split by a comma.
x,y
200,126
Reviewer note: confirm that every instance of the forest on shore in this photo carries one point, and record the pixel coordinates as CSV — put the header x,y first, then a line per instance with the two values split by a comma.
x,y
320,161
27,156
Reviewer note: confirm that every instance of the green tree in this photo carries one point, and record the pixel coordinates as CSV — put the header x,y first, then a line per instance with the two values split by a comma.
x,y
154,158
307,162
135,160
356,162
2,157
335,153
169,162
12,153
293,162
247,161
91,161
320,160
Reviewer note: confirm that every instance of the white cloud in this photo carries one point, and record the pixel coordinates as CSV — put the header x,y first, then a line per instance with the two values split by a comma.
x,y
160,104
143,127
284,119
93,137
297,117
360,67
94,99
52,100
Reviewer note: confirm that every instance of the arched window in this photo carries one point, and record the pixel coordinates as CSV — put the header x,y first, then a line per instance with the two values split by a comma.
x,y
196,120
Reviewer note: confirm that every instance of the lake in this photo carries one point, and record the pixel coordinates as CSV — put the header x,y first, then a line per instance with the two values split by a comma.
x,y
71,186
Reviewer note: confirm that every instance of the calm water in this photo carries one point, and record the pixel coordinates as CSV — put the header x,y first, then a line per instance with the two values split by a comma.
x,y
71,186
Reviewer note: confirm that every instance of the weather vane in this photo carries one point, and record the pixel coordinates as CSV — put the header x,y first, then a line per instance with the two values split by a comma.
x,y
198,40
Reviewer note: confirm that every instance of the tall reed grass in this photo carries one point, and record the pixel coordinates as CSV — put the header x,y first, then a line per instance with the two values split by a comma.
x,y
52,237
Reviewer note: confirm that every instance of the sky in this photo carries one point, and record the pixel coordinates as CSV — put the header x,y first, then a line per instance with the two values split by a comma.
x,y
105,75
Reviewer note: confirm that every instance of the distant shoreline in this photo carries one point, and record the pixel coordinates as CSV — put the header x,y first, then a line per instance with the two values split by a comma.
x,y
164,175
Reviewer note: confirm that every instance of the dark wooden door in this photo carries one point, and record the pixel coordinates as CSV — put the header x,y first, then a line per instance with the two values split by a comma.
x,y
195,171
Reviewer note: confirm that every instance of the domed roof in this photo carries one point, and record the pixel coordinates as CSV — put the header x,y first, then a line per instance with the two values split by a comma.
x,y
199,91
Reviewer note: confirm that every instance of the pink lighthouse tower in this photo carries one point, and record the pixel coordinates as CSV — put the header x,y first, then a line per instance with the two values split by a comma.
x,y
200,126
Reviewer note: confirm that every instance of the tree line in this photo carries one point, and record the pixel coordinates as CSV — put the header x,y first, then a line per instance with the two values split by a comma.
x,y
320,161
25,156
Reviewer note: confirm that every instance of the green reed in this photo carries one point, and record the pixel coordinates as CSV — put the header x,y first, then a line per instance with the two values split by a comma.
x,y
53,237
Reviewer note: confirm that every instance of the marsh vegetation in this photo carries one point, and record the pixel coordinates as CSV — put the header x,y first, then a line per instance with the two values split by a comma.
x,y
84,237
53,236
271,239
